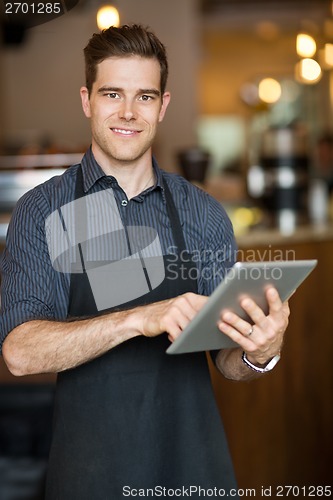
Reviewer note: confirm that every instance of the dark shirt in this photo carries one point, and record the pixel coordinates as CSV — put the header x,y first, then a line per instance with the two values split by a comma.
x,y
32,288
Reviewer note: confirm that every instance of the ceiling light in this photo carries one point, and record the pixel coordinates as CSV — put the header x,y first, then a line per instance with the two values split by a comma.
x,y
269,90
305,45
328,54
107,16
308,71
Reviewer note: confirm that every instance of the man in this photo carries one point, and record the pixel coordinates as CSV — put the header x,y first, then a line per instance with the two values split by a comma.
x,y
101,272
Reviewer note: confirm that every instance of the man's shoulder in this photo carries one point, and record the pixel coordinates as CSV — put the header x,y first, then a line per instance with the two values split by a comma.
x,y
183,189
53,193
59,183
178,181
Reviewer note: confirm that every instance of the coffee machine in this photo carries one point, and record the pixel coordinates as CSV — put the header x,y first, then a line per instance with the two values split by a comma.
x,y
279,180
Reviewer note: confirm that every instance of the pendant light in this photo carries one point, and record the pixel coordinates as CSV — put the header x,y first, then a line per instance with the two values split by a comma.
x,y
107,15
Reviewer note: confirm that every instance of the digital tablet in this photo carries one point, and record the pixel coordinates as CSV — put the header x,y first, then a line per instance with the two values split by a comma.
x,y
244,278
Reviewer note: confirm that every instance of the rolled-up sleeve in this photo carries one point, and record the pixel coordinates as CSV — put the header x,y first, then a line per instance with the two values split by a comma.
x,y
28,280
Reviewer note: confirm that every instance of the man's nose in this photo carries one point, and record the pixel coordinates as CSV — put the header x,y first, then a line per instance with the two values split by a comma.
x,y
127,111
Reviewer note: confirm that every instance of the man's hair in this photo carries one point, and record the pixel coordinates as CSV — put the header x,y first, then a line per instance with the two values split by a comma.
x,y
125,41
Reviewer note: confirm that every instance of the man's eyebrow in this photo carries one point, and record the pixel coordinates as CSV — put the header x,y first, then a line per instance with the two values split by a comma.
x,y
109,89
150,91
106,88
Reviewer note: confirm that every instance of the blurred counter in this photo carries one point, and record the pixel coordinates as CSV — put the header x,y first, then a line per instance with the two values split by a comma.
x,y
303,234
20,173
280,426
4,220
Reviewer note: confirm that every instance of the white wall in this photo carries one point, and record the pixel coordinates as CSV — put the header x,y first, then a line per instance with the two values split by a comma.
x,y
40,80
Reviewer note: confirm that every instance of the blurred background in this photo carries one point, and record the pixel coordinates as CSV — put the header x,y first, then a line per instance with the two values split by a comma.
x,y
251,123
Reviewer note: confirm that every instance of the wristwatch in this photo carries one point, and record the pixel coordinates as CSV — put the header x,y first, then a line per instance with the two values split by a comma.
x,y
270,365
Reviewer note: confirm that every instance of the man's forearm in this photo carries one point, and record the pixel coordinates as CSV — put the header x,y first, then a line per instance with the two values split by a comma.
x,y
42,346
229,363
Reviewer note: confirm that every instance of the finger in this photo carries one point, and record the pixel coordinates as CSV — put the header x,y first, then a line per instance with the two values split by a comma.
x,y
273,299
245,341
236,322
252,309
196,301
173,333
189,304
286,309
181,311
278,311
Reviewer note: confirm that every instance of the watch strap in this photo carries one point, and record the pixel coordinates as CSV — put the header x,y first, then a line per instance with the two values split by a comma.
x,y
270,365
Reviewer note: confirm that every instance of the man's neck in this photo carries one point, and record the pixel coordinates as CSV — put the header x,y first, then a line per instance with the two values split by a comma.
x,y
133,177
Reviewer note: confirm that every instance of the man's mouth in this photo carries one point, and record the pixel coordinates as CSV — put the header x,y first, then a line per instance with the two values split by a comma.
x,y
124,132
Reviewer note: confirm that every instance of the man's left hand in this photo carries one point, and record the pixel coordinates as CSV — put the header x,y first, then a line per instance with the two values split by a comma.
x,y
262,339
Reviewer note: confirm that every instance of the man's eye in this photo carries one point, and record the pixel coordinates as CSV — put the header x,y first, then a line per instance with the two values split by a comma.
x,y
112,95
146,97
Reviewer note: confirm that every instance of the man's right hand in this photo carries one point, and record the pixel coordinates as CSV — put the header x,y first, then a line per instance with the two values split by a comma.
x,y
171,315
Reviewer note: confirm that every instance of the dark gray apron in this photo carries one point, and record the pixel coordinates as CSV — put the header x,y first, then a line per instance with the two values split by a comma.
x,y
137,417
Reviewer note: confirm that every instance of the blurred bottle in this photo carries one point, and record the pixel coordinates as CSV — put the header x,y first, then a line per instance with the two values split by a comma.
x,y
194,163
318,202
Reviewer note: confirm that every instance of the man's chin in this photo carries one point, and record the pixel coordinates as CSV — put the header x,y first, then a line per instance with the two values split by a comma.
x,y
127,156
121,155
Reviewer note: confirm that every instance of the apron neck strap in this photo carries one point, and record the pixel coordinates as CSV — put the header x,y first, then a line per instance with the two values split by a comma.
x,y
176,228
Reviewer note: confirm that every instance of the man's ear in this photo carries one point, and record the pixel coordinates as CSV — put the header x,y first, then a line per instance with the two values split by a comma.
x,y
165,103
85,101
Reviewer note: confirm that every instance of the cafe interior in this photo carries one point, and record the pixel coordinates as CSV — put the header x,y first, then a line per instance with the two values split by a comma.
x,y
251,123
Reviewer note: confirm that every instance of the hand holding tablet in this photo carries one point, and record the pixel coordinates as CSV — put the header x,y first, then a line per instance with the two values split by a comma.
x,y
244,278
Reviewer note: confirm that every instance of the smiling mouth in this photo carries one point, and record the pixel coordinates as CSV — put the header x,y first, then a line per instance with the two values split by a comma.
x,y
124,132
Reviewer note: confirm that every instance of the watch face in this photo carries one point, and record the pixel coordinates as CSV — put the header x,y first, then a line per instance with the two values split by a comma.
x,y
272,363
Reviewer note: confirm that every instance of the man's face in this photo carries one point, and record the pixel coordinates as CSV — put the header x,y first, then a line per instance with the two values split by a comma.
x,y
125,107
